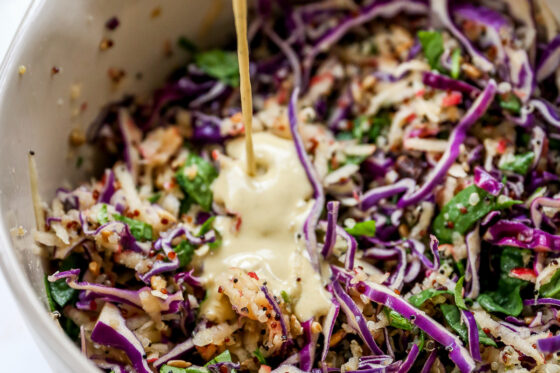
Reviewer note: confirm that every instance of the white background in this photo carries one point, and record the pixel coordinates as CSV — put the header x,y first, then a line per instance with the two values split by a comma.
x,y
18,351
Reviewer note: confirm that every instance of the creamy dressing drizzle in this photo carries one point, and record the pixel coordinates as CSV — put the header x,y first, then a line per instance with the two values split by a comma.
x,y
271,202
273,206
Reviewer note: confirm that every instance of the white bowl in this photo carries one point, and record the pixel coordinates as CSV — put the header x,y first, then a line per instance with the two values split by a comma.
x,y
37,113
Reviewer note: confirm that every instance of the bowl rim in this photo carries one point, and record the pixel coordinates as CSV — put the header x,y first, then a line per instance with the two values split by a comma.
x,y
57,348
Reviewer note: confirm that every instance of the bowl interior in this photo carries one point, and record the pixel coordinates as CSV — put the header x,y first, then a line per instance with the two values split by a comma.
x,y
38,110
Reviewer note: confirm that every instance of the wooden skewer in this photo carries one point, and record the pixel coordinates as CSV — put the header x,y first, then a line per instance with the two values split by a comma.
x,y
34,179
240,13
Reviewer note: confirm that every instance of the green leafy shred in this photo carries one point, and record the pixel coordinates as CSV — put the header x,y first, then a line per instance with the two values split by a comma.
x,y
59,292
456,63
217,241
70,328
458,294
366,127
419,299
459,214
354,159
170,369
102,215
185,251
260,357
396,320
506,298
285,296
197,186
378,123
432,46
223,357
219,64
206,226
420,340
452,316
185,205
140,230
460,265
365,228
154,197
511,103
552,288
360,125
50,300
344,136
520,163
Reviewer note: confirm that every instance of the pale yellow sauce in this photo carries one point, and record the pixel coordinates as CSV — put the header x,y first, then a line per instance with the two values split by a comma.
x,y
240,12
273,206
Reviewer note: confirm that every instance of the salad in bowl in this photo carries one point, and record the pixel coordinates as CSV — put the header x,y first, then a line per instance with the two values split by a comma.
x,y
403,215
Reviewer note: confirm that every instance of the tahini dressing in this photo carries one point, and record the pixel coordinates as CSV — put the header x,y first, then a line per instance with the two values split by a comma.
x,y
273,200
273,206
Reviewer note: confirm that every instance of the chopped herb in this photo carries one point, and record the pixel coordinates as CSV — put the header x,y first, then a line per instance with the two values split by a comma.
x,y
170,369
506,298
511,103
59,291
206,226
552,288
285,296
70,328
432,46
456,63
140,230
154,197
344,135
365,228
219,64
464,210
185,251
217,241
458,294
370,126
419,299
397,320
360,125
195,178
102,215
460,264
420,340
355,159
50,300
185,205
452,316
520,163
381,121
223,357
258,354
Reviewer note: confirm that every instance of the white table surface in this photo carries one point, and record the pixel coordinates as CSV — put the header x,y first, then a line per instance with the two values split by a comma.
x,y
18,351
